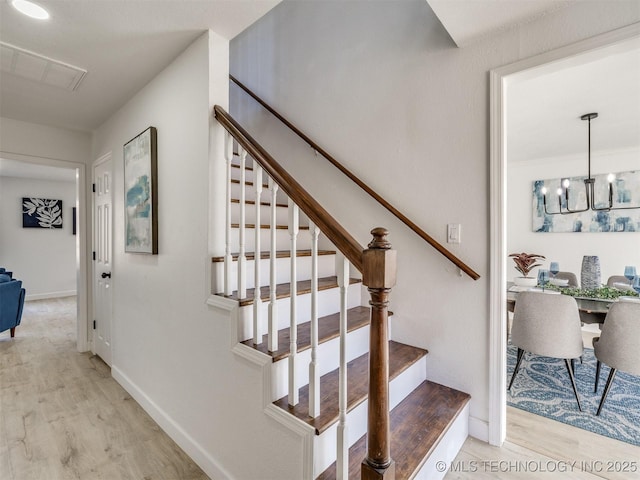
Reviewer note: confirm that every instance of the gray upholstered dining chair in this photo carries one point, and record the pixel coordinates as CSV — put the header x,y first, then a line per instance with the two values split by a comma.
x,y
547,325
573,280
617,279
619,344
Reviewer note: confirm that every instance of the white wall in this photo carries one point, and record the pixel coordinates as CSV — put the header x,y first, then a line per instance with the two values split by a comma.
x,y
34,140
170,350
383,87
615,249
44,259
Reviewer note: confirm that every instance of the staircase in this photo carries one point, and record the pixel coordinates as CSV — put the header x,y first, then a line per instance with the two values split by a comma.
x,y
299,310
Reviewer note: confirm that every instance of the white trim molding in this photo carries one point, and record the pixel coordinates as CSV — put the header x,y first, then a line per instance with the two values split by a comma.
x,y
499,80
44,296
196,451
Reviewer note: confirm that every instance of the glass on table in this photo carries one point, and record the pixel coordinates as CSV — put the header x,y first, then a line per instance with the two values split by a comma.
x,y
636,284
554,268
543,278
630,272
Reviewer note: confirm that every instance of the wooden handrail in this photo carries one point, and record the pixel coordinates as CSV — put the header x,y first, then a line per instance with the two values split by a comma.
x,y
343,241
403,218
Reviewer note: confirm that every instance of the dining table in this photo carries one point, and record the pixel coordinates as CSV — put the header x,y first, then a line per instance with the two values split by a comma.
x,y
591,310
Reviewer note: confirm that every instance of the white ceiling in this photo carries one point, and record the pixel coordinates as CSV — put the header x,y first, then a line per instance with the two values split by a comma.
x,y
122,44
469,21
544,105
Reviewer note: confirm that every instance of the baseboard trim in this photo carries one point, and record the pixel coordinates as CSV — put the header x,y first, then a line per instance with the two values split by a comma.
x,y
479,428
44,296
191,447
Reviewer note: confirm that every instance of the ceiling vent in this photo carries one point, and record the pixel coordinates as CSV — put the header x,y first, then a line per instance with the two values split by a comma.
x,y
39,68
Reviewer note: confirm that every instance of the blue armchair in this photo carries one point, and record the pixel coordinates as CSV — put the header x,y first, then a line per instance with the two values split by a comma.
x,y
11,303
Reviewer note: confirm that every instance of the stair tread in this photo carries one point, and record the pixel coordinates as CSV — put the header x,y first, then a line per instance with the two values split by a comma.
x,y
278,227
279,254
266,204
401,357
248,183
328,329
235,165
283,290
417,425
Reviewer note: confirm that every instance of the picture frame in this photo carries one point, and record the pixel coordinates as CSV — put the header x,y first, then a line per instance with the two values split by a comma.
x,y
41,213
140,193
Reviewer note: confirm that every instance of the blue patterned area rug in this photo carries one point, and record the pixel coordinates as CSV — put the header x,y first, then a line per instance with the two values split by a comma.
x,y
542,386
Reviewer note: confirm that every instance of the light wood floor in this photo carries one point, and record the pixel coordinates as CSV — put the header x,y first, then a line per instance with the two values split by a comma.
x,y
554,450
62,415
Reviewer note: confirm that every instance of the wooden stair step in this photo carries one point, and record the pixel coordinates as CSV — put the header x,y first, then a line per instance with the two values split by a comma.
x,y
235,165
328,329
417,425
401,357
279,254
266,204
283,290
278,227
247,183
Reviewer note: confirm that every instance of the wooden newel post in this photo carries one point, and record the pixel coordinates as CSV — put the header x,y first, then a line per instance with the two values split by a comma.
x,y
379,275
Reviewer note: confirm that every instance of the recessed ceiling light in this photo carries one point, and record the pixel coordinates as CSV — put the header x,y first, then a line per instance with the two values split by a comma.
x,y
30,9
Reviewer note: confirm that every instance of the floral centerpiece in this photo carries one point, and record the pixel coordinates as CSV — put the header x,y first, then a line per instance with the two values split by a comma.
x,y
601,293
525,262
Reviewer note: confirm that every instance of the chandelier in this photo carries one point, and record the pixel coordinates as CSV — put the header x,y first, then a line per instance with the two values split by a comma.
x,y
589,186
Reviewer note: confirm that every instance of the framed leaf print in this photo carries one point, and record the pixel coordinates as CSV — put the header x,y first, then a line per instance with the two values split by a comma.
x,y
41,213
140,193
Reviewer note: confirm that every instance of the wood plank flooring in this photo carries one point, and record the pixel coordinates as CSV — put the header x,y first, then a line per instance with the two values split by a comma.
x,y
62,415
536,441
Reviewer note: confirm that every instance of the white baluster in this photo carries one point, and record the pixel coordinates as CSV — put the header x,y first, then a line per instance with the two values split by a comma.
x,y
228,259
314,368
257,301
242,258
342,459
294,396
273,304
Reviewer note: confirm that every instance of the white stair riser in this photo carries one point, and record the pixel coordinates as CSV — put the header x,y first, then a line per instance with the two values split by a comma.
x,y
328,303
328,360
447,449
250,193
326,268
325,445
283,239
282,214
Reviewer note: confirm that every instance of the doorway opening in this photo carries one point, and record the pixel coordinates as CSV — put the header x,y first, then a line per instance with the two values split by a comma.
x,y
503,82
53,265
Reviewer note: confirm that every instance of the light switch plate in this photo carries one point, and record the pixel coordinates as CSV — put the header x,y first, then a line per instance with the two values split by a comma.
x,y
454,231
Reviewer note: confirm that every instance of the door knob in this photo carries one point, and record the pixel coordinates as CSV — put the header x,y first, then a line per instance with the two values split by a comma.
x,y
105,275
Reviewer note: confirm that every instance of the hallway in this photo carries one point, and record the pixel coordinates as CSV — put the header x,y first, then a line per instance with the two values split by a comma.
x,y
62,415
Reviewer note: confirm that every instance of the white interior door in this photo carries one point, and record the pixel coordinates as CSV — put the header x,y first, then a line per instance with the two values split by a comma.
x,y
102,249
